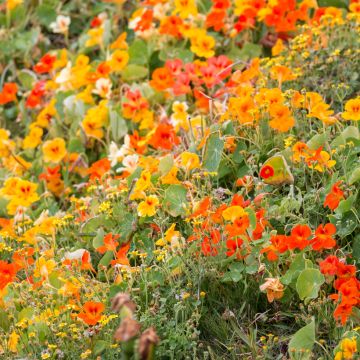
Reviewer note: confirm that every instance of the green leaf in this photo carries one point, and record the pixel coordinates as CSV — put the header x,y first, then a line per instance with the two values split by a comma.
x,y
4,321
213,152
134,72
302,342
27,78
46,14
54,280
355,176
248,51
345,205
348,133
138,52
118,125
175,200
335,3
100,346
308,283
99,238
106,259
166,163
316,141
26,313
297,265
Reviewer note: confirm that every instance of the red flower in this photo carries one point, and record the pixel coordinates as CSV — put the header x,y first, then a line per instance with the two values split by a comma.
x,y
330,265
323,237
266,171
45,64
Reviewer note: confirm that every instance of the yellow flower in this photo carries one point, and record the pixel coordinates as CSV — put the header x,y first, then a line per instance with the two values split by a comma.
x,y
170,177
185,8
233,212
190,160
143,182
43,267
6,145
148,206
171,236
348,348
352,110
33,139
95,37
95,119
13,342
202,44
12,4
119,60
54,150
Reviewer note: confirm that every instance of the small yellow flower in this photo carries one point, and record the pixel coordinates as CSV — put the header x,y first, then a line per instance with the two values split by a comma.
x,y
54,150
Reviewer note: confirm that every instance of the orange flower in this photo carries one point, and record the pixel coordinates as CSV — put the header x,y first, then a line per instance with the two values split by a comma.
x,y
334,197
99,168
162,79
8,93
91,313
7,273
164,137
121,255
110,243
274,289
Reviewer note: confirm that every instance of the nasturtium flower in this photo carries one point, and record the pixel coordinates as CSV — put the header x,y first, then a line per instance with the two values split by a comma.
x,y
91,312
347,349
334,197
202,44
148,206
61,25
43,267
352,110
54,150
33,139
8,93
185,8
119,59
233,212
190,160
274,289
13,342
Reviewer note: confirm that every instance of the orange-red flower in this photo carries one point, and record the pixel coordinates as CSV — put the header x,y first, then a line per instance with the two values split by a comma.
x,y
7,273
8,93
92,312
164,137
266,171
99,168
299,238
323,237
334,197
110,243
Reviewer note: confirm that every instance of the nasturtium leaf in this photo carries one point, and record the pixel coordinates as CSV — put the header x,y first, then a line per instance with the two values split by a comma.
x,y
118,125
316,141
165,164
308,283
350,132
100,346
138,52
4,320
276,171
355,176
175,200
26,313
134,72
213,152
55,281
302,342
27,78
99,238
106,259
